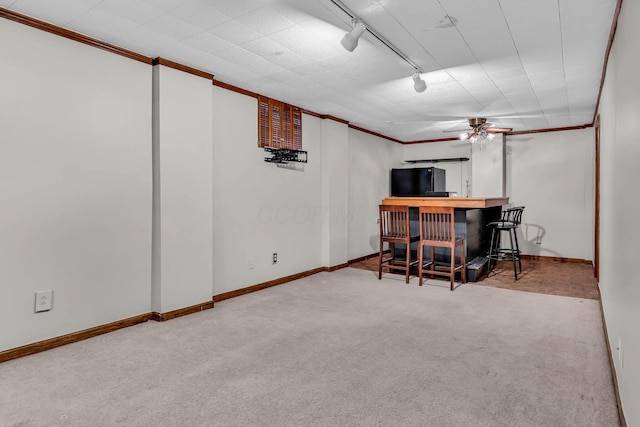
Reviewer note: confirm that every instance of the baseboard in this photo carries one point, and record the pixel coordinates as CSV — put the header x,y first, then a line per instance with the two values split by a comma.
x,y
264,285
623,421
555,258
40,346
336,267
161,317
364,258
522,256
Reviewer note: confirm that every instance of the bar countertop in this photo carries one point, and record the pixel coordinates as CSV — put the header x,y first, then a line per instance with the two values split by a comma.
x,y
453,202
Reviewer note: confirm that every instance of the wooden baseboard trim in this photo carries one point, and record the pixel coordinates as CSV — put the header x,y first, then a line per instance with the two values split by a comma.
x,y
336,267
161,317
264,285
623,420
40,346
555,258
364,258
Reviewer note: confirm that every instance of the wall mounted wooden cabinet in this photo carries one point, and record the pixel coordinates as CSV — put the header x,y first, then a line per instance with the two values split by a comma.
x,y
279,124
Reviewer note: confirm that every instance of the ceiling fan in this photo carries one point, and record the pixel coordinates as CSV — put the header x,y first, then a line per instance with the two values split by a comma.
x,y
480,129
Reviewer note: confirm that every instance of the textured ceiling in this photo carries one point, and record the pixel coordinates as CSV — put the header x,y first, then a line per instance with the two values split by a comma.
x,y
523,64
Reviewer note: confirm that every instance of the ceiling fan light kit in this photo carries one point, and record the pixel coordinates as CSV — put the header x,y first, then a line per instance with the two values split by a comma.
x,y
481,130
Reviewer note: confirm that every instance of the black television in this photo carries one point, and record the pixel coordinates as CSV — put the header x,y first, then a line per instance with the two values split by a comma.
x,y
402,182
417,182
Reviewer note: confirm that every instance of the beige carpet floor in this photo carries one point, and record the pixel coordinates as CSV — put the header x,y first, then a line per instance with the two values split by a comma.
x,y
333,349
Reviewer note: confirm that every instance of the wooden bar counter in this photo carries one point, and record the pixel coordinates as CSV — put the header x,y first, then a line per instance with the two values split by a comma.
x,y
472,214
453,202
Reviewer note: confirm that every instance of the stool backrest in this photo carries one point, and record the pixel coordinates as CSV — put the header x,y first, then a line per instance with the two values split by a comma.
x,y
513,215
437,225
394,222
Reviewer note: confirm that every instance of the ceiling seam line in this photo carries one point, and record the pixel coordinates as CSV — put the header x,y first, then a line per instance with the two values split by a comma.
x,y
522,64
478,61
564,68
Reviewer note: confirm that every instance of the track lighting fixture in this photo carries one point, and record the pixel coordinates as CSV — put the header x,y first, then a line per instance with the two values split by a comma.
x,y
350,40
418,84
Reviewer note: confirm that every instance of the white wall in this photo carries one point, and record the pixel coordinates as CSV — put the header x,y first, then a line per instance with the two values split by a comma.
x,y
552,174
369,161
183,237
75,185
487,164
334,159
458,173
620,208
260,208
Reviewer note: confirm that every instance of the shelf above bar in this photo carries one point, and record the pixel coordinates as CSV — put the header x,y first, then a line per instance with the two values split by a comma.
x,y
452,159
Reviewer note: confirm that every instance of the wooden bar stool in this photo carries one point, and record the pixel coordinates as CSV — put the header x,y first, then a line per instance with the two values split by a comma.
x,y
437,229
509,222
395,228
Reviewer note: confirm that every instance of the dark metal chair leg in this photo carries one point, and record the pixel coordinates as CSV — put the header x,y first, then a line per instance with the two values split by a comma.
x,y
491,246
515,236
513,254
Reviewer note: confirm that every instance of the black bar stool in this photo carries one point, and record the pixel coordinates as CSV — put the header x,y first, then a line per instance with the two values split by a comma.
x,y
509,222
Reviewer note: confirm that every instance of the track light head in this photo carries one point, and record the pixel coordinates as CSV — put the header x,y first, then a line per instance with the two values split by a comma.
x,y
418,84
350,40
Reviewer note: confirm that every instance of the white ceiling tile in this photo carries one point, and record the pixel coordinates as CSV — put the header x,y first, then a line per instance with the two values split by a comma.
x,y
234,32
228,72
199,14
100,24
306,44
275,52
165,5
58,12
308,69
265,21
294,11
148,42
248,60
172,27
133,10
183,54
208,42
236,8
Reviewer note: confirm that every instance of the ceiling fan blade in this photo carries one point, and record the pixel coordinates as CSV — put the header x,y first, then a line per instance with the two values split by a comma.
x,y
458,130
498,130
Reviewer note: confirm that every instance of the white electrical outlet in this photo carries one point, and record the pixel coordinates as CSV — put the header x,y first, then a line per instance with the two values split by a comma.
x,y
44,301
275,257
251,263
